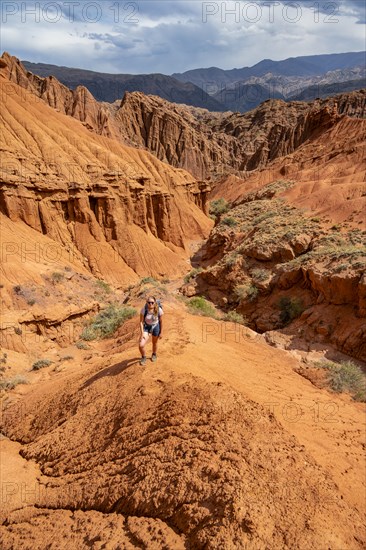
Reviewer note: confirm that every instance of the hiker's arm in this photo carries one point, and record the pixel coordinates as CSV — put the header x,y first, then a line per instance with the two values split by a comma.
x,y
161,325
141,324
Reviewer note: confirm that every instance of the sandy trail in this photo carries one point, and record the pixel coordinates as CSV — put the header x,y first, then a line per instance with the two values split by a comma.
x,y
331,427
18,478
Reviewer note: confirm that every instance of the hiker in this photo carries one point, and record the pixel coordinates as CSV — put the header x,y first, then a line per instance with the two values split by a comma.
x,y
150,323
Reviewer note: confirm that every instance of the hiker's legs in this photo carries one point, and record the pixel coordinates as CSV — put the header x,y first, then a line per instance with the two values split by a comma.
x,y
155,337
142,343
155,343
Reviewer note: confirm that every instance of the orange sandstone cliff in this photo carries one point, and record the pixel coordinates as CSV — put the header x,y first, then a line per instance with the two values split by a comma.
x,y
204,143
90,193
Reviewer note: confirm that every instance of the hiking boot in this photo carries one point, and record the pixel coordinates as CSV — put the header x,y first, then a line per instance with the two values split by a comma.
x,y
143,360
153,357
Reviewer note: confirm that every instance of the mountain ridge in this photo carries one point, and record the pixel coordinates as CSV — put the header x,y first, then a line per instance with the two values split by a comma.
x,y
110,87
318,63
204,143
202,87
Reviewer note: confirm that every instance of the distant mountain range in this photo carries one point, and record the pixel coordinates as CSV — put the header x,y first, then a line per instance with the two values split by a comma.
x,y
243,96
309,65
302,78
110,87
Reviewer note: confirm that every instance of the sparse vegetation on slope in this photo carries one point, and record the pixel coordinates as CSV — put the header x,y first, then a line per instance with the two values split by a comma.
x,y
192,274
7,384
103,286
218,207
273,262
107,322
346,376
235,317
41,364
290,308
200,306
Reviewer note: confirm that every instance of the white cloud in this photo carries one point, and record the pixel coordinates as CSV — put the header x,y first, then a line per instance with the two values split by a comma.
x,y
166,36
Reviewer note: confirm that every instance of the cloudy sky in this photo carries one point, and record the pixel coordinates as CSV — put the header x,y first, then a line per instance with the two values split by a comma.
x,y
166,36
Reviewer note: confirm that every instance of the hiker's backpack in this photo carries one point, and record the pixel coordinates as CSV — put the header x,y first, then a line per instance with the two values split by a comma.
x,y
159,306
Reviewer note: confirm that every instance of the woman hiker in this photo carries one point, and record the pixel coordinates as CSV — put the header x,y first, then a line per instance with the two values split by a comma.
x,y
150,323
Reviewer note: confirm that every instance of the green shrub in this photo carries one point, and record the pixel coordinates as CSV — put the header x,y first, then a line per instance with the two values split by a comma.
x,y
252,292
57,277
146,280
260,274
41,364
11,383
191,275
341,267
107,322
89,333
246,292
103,286
200,306
218,207
346,376
230,221
31,302
290,309
82,345
230,259
66,358
235,317
359,265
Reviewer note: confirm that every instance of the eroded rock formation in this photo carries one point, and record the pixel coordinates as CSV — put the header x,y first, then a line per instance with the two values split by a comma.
x,y
204,143
111,203
285,271
78,103
205,464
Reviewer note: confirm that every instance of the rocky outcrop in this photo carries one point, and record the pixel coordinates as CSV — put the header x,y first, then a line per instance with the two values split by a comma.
x,y
122,211
171,132
320,307
105,213
59,323
326,173
208,144
304,269
78,103
283,270
204,143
